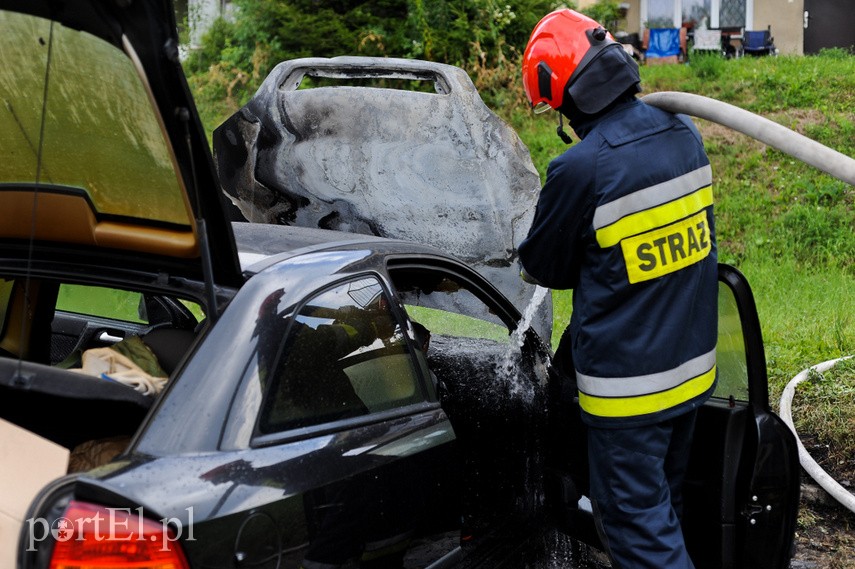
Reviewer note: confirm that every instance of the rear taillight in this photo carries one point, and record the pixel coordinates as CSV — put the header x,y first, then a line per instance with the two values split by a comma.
x,y
89,536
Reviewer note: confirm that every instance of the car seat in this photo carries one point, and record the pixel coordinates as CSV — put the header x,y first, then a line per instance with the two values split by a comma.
x,y
169,345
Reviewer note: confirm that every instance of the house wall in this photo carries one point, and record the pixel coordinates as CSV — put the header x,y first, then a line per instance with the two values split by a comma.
x,y
633,17
632,23
786,19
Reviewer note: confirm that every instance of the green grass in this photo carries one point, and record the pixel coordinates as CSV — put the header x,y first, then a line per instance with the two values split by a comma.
x,y
105,302
807,315
819,407
109,303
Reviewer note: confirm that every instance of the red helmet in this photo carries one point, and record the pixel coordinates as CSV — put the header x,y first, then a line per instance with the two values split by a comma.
x,y
569,52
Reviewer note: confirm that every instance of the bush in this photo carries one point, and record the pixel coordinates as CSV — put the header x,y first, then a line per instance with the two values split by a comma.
x,y
606,12
485,37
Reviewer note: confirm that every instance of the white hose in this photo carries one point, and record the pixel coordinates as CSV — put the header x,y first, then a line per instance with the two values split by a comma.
x,y
769,132
830,485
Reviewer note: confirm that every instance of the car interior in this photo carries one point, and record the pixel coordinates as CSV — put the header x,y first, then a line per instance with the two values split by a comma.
x,y
64,323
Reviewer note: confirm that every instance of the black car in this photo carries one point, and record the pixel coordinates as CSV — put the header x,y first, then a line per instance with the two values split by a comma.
x,y
287,396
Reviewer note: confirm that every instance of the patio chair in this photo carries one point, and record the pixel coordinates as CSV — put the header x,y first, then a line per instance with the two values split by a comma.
x,y
759,42
708,41
664,45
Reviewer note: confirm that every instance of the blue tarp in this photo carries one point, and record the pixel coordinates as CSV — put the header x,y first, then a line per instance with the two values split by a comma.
x,y
664,42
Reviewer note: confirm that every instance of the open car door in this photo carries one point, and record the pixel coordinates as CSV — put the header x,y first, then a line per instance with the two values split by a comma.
x,y
742,491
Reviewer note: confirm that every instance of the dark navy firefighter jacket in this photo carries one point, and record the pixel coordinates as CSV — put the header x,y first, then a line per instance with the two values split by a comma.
x,y
626,220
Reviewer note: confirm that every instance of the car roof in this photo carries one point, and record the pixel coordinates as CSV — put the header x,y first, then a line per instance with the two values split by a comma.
x,y
260,244
102,151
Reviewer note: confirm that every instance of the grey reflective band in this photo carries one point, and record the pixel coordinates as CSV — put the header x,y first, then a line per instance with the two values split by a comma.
x,y
652,196
645,384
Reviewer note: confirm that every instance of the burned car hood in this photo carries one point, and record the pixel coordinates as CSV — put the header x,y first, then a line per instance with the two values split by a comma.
x,y
365,151
101,151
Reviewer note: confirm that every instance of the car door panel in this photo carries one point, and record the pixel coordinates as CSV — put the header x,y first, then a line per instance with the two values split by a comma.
x,y
743,480
73,333
373,492
377,483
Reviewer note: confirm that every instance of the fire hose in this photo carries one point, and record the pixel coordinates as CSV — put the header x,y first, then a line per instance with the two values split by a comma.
x,y
830,485
769,132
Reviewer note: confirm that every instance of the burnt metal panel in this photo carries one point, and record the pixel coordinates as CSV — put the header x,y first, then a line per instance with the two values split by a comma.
x,y
438,168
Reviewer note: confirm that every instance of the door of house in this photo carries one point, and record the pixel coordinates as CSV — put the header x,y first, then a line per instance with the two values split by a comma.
x,y
829,23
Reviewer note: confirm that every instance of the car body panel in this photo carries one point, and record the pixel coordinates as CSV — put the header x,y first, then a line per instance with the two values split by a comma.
x,y
341,486
288,482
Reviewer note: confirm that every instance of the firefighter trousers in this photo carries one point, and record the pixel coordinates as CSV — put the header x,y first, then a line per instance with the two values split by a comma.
x,y
636,491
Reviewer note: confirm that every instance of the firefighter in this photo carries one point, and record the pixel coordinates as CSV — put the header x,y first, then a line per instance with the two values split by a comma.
x,y
625,219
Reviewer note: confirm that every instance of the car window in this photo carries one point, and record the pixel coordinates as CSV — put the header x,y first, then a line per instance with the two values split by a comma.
x,y
99,301
467,339
446,306
5,295
117,304
344,355
730,352
448,323
102,139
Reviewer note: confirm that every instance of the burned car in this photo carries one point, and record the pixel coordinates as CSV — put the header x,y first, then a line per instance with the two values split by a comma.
x,y
280,396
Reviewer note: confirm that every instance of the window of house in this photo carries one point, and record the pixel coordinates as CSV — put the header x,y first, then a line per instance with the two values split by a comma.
x,y
693,13
660,14
344,355
732,14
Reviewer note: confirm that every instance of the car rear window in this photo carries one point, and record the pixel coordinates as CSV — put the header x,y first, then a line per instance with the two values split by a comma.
x,y
101,135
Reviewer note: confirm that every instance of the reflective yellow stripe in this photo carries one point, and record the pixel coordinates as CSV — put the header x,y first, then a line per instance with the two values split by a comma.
x,y
654,217
645,404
